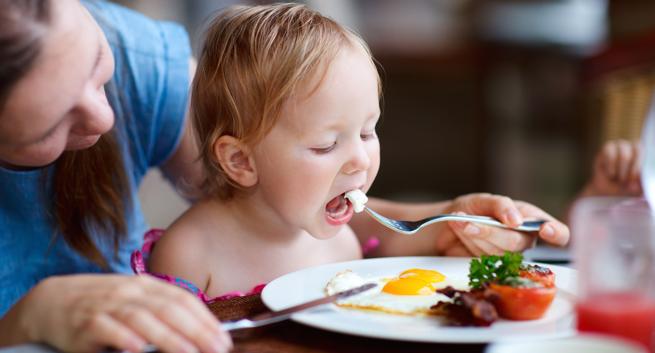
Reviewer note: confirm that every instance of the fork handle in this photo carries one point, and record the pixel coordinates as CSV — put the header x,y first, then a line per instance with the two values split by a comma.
x,y
528,226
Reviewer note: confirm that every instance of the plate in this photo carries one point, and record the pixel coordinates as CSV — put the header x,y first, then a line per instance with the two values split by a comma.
x,y
304,285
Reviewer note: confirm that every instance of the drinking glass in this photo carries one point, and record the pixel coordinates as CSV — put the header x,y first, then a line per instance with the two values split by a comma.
x,y
614,251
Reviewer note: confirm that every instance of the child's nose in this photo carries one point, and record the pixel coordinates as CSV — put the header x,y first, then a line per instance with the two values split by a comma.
x,y
359,160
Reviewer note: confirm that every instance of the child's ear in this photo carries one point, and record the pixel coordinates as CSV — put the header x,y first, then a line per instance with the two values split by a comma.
x,y
236,160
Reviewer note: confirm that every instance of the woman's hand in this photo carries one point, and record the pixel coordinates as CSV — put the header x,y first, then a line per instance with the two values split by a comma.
x,y
85,313
465,238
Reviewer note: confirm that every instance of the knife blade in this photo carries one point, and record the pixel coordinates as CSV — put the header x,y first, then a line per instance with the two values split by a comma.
x,y
277,316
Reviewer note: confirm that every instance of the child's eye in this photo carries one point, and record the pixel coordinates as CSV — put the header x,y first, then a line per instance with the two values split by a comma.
x,y
368,135
324,150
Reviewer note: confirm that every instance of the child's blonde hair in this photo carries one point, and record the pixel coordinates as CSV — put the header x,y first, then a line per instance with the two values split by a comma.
x,y
253,59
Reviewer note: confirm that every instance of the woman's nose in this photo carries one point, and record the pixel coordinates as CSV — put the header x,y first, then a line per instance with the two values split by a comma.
x,y
359,159
95,116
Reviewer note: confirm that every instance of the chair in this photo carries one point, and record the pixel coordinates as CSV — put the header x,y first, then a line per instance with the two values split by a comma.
x,y
620,82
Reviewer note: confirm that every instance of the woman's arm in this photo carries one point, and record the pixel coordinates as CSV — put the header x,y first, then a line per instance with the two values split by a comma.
x,y
183,169
14,327
86,313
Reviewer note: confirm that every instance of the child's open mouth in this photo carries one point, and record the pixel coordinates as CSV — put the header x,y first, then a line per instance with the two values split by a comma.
x,y
338,211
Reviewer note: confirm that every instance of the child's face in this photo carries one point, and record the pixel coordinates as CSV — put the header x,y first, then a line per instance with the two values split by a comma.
x,y
323,145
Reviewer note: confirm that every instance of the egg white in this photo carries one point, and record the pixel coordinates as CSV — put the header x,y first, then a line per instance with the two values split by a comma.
x,y
377,300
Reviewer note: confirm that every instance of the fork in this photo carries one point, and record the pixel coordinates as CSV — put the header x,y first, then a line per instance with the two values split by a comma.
x,y
411,227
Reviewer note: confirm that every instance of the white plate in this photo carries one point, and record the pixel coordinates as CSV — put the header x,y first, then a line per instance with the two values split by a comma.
x,y
308,284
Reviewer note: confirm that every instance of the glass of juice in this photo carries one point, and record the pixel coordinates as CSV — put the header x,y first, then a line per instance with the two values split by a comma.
x,y
614,246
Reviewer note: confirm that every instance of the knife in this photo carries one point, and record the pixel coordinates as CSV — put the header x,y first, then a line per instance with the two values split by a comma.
x,y
277,316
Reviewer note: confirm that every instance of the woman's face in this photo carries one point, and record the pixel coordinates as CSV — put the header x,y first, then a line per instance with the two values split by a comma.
x,y
60,104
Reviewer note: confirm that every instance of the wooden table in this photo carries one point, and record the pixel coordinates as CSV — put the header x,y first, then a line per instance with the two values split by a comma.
x,y
296,338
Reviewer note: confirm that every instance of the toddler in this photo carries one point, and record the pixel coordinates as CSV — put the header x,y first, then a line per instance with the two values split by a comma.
x,y
285,104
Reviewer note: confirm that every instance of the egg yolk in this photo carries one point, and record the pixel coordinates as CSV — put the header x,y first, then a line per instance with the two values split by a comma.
x,y
414,282
426,275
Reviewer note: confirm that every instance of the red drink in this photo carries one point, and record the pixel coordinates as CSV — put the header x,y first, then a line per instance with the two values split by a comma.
x,y
628,315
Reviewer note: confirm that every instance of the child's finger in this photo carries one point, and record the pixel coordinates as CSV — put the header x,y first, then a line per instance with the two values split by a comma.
x,y
624,160
635,165
606,162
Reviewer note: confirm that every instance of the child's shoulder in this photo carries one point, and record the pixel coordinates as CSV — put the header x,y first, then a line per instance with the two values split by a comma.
x,y
183,248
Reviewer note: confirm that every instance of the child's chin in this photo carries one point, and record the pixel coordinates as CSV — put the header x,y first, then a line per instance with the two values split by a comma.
x,y
326,232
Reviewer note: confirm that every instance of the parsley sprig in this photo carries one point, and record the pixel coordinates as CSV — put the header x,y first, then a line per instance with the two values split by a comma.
x,y
493,268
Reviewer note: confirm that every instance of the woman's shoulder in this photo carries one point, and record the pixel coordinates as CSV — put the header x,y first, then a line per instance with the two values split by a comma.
x,y
130,29
149,89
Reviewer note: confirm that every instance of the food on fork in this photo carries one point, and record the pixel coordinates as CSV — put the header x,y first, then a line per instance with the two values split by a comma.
x,y
357,198
516,291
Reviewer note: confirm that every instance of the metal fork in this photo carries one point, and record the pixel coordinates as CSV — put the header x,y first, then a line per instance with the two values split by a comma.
x,y
411,227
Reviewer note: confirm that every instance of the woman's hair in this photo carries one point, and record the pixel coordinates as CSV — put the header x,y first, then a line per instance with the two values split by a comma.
x,y
90,187
252,61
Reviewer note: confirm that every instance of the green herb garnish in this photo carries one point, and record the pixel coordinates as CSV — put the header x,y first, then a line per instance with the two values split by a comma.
x,y
492,268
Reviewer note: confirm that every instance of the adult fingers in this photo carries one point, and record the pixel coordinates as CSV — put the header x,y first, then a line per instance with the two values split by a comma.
x,y
555,233
458,250
147,325
465,231
178,317
104,331
487,247
552,231
187,315
495,240
501,207
186,299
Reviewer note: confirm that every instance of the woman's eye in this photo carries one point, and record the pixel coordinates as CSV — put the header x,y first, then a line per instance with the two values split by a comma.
x,y
324,150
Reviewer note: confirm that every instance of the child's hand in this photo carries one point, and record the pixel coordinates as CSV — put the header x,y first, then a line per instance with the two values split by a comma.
x,y
464,238
86,313
616,170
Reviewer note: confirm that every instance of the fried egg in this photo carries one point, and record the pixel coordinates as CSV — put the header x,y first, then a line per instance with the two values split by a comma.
x,y
411,292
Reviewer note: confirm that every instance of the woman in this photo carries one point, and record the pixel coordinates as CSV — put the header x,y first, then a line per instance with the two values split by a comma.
x,y
91,96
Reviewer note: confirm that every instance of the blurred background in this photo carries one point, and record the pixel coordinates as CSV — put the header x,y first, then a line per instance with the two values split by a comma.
x,y
511,97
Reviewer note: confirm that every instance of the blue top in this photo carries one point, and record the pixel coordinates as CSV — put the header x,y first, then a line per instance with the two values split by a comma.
x,y
152,81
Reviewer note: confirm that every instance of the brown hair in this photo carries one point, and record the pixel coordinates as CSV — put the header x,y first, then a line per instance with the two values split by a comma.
x,y
91,190
253,59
